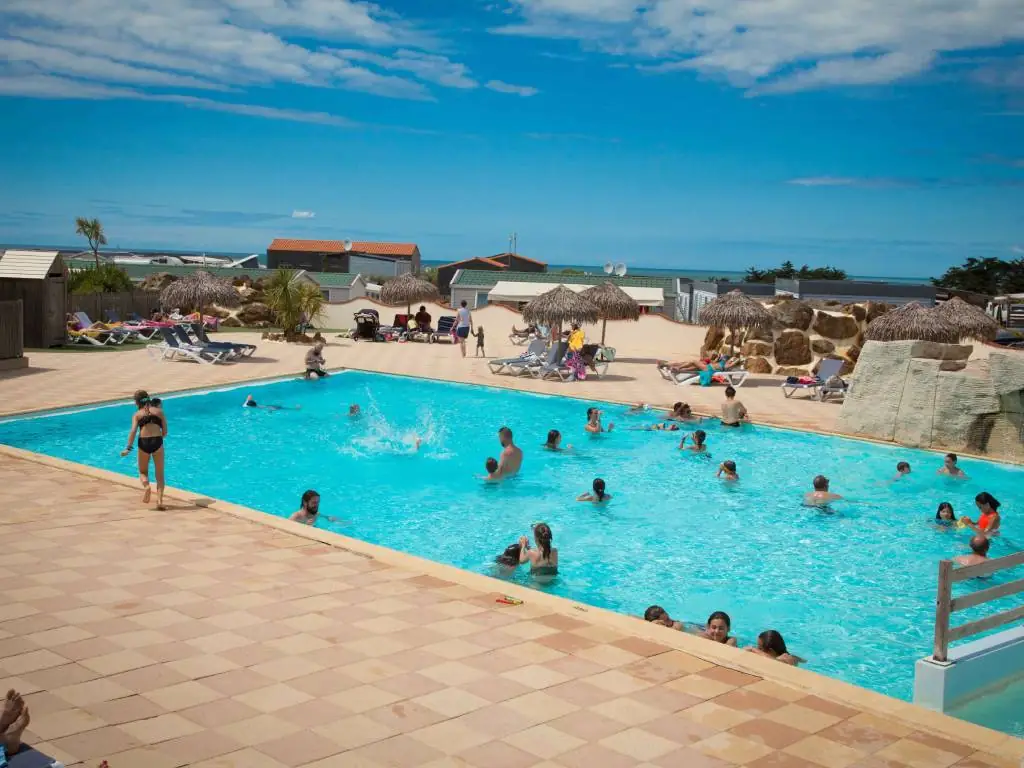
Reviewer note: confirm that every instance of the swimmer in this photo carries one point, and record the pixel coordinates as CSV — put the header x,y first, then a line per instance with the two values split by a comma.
x,y
727,471
510,557
308,509
554,442
491,465
698,446
638,408
682,412
250,402
950,468
902,468
511,458
354,411
821,495
543,560
594,425
597,496
666,426
944,515
771,644
979,551
989,519
718,627
658,615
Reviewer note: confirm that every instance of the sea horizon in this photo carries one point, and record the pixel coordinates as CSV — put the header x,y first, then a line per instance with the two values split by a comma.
x,y
733,275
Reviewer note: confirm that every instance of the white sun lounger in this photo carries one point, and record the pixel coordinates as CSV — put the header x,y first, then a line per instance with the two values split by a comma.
x,y
820,388
516,365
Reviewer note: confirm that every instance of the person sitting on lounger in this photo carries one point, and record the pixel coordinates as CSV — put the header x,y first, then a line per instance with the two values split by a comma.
x,y
423,320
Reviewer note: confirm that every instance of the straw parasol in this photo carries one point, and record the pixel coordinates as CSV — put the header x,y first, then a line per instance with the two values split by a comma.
x,y
735,310
912,322
560,305
968,319
197,290
406,289
613,303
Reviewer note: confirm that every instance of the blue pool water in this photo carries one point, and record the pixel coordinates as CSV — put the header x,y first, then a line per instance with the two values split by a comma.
x,y
852,592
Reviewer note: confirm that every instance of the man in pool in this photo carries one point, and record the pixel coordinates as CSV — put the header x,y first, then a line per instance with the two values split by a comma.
x,y
979,551
308,509
511,458
733,411
821,495
950,468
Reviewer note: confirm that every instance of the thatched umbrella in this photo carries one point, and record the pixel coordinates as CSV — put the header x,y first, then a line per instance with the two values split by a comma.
x,y
613,303
406,289
735,310
912,322
560,305
197,290
968,319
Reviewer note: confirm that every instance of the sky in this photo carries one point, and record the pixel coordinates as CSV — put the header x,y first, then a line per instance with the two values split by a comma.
x,y
885,138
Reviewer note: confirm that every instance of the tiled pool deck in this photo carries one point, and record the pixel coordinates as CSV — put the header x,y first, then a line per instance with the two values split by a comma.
x,y
215,636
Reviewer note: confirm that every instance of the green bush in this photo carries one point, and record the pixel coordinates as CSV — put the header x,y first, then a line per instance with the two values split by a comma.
x,y
106,278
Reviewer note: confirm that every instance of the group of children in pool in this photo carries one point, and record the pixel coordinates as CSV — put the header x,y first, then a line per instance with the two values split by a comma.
x,y
770,643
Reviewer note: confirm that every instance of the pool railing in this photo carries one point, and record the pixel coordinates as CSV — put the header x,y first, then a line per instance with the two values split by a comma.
x,y
946,605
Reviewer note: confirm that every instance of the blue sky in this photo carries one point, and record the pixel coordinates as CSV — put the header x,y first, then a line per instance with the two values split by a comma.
x,y
885,138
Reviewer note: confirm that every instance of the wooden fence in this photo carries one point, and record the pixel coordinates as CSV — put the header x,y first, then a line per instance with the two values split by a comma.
x,y
124,303
946,605
12,329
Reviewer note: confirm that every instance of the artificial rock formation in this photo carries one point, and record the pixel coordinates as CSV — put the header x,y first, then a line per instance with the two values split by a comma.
x,y
903,393
793,348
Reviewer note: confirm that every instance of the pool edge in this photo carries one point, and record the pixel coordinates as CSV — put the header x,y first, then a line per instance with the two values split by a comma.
x,y
871,702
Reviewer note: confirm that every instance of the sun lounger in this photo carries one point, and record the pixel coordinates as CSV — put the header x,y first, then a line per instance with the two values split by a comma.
x,y
533,354
445,326
144,331
554,364
240,348
172,348
93,337
180,332
120,335
825,383
734,377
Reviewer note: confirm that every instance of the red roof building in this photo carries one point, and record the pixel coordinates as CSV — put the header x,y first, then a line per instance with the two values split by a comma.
x,y
363,257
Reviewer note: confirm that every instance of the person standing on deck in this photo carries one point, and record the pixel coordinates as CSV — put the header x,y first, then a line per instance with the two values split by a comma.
x,y
463,325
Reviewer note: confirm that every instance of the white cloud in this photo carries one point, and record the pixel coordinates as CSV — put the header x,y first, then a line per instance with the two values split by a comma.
x,y
518,90
158,46
303,214
823,181
781,45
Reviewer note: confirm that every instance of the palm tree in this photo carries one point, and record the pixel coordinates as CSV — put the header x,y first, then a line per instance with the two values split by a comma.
x,y
91,230
293,301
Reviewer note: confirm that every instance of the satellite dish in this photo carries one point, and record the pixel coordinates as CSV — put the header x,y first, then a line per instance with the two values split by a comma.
x,y
608,267
620,269
347,245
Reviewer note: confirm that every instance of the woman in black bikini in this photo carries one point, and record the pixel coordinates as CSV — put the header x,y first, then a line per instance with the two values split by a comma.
x,y
150,423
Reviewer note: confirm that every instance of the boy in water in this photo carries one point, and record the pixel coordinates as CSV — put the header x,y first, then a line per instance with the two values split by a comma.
x,y
727,471
491,465
479,333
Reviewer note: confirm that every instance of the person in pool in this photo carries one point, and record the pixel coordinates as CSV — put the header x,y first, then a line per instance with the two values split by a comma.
x,y
354,411
594,425
544,559
150,423
598,495
718,627
771,644
682,412
989,519
658,615
902,469
734,413
699,446
491,465
308,509
979,551
821,495
727,471
511,458
637,409
944,515
660,426
949,467
554,442
250,402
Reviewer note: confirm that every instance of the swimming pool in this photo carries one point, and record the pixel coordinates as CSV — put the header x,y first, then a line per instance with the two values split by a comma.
x,y
852,592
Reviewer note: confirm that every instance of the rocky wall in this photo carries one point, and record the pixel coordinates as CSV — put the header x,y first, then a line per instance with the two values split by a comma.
x,y
802,334
927,395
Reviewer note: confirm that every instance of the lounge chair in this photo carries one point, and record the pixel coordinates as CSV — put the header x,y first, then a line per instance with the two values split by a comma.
x,y
826,382
120,335
180,332
172,348
240,348
91,337
533,354
144,331
445,328
554,364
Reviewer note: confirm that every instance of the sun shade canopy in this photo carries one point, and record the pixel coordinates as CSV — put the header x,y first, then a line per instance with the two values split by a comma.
x,y
506,290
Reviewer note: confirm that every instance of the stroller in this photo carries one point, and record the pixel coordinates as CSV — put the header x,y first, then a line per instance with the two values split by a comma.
x,y
367,325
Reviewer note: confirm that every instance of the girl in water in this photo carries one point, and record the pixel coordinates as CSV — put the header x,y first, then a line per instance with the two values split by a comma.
x,y
682,412
727,471
944,515
150,423
718,627
989,519
554,442
544,559
594,425
771,644
598,496
698,446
